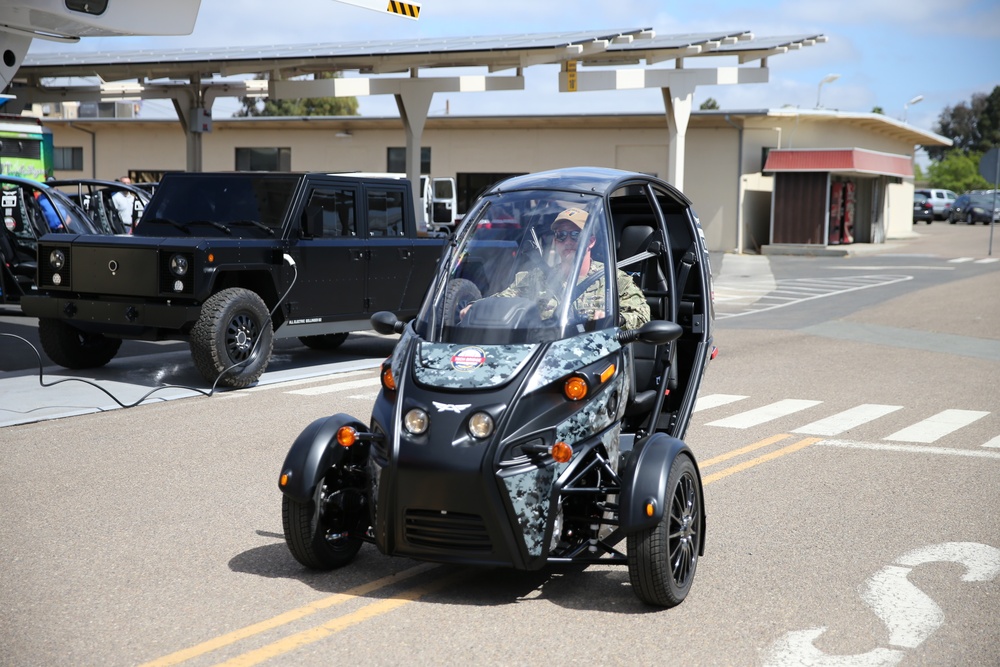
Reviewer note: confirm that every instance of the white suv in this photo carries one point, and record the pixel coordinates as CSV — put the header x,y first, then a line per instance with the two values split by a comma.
x,y
941,200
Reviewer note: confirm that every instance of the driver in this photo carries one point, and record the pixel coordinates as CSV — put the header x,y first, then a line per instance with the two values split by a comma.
x,y
538,284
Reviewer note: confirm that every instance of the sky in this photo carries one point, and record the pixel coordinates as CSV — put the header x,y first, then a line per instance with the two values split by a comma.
x,y
887,52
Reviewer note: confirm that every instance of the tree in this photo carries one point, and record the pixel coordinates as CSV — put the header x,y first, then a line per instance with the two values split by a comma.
x,y
878,109
957,171
709,104
973,126
306,106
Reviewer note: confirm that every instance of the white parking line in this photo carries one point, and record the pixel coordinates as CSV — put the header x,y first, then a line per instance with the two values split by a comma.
x,y
765,414
848,419
987,260
937,426
960,260
915,449
340,386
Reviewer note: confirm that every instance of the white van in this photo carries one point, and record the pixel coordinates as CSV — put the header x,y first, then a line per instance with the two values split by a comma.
x,y
941,200
438,200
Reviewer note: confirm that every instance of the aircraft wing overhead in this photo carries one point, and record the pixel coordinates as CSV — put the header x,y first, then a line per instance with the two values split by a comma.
x,y
410,10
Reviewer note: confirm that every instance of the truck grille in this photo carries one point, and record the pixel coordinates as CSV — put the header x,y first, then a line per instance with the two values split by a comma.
x,y
446,530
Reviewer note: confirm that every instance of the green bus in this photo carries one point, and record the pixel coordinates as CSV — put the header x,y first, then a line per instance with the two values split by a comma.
x,y
25,148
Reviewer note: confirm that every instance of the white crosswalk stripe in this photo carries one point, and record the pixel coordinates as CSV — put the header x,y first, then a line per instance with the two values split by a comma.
x,y
960,260
765,414
848,419
736,298
339,386
938,426
926,431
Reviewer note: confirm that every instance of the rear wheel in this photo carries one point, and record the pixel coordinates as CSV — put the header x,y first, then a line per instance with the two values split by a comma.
x,y
71,348
319,533
662,560
232,340
323,342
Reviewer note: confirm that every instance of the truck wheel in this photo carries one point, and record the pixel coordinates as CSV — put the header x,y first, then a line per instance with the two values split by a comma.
x,y
71,348
662,560
309,534
461,293
233,335
324,342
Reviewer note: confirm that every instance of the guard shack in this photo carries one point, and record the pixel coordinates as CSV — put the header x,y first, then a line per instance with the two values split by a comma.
x,y
833,196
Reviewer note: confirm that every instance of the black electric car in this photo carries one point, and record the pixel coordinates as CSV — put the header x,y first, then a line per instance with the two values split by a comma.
x,y
519,429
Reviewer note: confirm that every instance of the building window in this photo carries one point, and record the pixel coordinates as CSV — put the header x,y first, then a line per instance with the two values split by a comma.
x,y
396,160
263,159
69,158
470,185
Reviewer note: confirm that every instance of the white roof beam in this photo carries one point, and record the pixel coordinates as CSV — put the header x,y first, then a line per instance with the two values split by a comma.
x,y
633,79
361,87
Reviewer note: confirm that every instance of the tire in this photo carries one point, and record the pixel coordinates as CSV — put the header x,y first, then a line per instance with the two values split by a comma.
x,y
71,348
323,342
969,220
232,340
951,219
662,560
310,538
461,293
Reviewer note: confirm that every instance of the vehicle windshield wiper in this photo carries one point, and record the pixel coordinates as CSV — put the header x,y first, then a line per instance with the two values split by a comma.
x,y
174,223
217,225
258,225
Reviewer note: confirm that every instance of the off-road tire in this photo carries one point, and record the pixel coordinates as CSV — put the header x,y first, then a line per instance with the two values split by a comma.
x,y
662,560
461,293
224,340
307,539
324,342
71,348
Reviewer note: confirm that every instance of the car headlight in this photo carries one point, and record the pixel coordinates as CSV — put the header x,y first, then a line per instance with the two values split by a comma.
x,y
178,265
415,421
480,425
57,259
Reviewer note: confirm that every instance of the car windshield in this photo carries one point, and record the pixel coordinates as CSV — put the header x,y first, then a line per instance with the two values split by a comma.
x,y
528,266
229,205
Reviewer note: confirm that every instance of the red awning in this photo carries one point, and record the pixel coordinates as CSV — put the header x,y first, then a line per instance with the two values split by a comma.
x,y
839,160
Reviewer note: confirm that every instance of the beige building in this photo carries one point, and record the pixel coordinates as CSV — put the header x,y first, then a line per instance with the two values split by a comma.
x,y
742,206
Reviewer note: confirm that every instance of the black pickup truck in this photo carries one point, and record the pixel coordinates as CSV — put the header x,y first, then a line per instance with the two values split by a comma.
x,y
231,261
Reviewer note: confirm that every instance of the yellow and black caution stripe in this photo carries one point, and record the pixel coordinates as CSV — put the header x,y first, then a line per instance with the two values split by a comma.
x,y
403,9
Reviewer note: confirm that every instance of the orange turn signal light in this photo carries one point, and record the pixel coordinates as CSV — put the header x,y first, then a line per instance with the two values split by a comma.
x,y
346,436
283,481
211,258
561,452
388,381
608,372
575,388
650,507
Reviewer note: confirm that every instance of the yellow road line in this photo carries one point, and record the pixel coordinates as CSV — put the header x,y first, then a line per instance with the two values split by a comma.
x,y
739,452
300,639
287,617
708,479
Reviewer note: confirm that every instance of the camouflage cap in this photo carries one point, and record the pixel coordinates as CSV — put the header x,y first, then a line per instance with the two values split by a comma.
x,y
576,216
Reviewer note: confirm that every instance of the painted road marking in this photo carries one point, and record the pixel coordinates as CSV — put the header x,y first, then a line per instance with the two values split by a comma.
x,y
937,426
960,260
339,386
987,260
765,414
288,617
886,447
715,400
848,419
995,442
803,289
770,456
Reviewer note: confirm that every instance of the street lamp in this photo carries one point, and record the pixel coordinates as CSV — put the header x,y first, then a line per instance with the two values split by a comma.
x,y
918,98
829,78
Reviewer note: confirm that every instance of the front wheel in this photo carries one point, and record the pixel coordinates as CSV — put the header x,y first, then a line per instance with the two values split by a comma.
x,y
321,533
71,348
461,293
662,560
969,220
232,340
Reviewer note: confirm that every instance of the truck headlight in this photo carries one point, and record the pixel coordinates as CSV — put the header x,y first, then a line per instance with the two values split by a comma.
x,y
178,265
57,259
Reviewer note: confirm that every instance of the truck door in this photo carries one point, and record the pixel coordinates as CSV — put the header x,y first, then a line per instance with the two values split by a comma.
x,y
331,257
390,230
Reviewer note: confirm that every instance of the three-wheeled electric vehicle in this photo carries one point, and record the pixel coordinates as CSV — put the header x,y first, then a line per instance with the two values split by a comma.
x,y
532,412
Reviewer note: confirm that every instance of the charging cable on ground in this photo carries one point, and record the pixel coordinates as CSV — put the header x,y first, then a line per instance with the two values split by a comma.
x,y
270,318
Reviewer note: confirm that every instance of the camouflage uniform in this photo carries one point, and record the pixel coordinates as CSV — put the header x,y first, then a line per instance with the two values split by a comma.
x,y
632,307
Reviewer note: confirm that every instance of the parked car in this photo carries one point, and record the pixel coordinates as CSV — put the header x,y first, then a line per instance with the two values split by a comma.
x,y
114,207
972,208
942,200
923,209
30,211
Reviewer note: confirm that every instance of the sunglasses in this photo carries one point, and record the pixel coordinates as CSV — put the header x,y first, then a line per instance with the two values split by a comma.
x,y
563,235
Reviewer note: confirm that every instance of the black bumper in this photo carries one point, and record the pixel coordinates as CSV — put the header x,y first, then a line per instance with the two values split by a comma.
x,y
120,316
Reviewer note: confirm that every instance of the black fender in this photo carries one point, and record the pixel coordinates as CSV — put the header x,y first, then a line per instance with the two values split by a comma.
x,y
645,478
313,453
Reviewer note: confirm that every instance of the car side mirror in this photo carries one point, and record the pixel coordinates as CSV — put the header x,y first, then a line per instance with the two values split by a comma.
x,y
657,332
386,323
